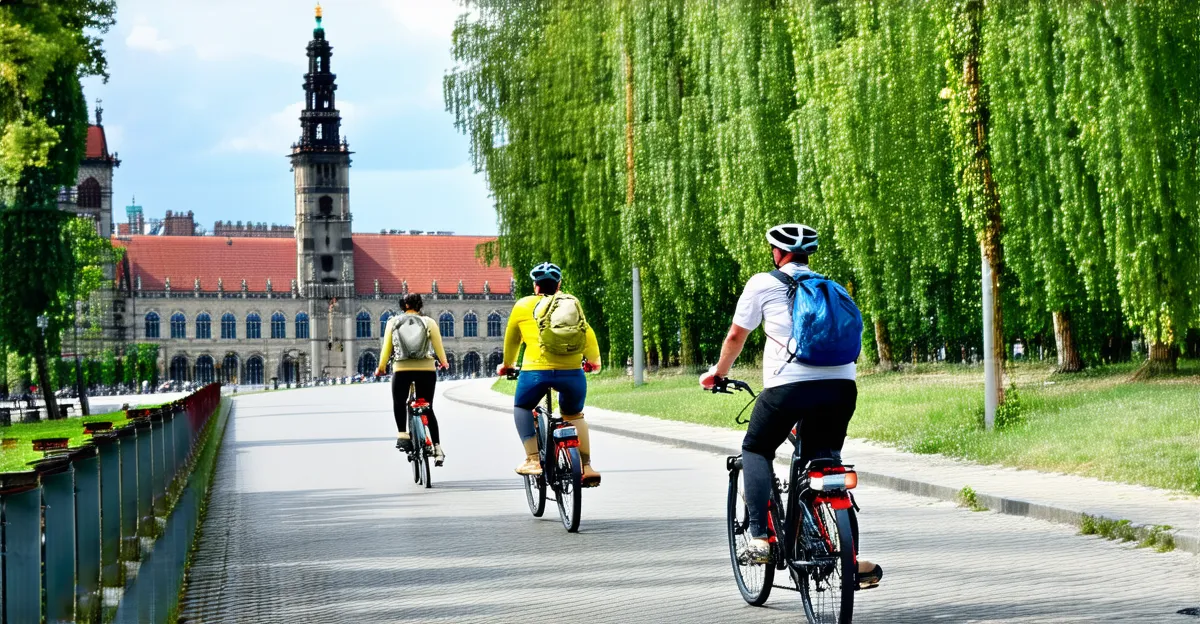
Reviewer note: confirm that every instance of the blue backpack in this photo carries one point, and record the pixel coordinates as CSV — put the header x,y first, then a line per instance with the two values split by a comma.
x,y
826,325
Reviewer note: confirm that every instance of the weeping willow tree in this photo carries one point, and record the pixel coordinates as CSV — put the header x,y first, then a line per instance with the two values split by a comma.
x,y
873,154
532,90
917,137
1135,98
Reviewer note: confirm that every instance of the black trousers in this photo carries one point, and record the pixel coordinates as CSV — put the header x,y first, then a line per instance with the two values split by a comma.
x,y
425,381
822,408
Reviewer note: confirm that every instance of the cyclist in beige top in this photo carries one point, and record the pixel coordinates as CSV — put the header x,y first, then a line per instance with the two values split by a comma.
x,y
415,358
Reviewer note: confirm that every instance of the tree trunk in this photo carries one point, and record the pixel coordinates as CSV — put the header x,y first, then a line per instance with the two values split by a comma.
x,y
1064,340
1164,358
44,381
883,345
980,165
689,344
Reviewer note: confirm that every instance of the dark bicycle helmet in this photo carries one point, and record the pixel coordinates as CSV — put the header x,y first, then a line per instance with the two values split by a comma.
x,y
793,237
546,270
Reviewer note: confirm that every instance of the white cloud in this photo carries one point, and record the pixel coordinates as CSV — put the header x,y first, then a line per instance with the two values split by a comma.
x,y
275,133
425,18
454,199
146,37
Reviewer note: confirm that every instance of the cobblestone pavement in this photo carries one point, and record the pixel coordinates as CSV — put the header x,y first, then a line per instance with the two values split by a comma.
x,y
314,518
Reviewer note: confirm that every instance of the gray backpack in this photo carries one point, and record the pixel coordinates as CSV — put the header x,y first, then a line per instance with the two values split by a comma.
x,y
410,338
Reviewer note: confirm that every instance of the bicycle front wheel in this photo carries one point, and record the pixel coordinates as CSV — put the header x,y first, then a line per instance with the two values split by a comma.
x,y
569,492
753,579
827,586
535,494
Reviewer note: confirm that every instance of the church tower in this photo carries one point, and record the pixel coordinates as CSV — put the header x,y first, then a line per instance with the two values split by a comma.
x,y
321,163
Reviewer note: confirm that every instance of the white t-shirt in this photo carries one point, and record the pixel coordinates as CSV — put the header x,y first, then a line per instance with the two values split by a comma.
x,y
765,301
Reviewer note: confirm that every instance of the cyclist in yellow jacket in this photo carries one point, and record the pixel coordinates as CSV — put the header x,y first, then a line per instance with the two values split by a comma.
x,y
542,370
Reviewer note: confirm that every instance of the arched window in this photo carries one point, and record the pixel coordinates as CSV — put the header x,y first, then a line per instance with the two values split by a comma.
x,y
470,325
494,360
178,326
88,194
471,365
302,326
452,369
363,327
383,321
228,327
229,368
367,363
152,324
254,370
325,205
446,325
289,370
179,369
205,371
278,325
253,326
495,325
203,326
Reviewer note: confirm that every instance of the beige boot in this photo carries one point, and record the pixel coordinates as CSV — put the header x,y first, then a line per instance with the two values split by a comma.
x,y
531,466
591,478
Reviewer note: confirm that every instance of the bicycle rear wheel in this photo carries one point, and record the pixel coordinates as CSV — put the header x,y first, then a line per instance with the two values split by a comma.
x,y
569,492
535,494
753,579
423,460
827,588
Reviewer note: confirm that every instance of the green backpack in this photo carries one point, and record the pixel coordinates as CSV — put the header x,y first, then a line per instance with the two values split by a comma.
x,y
562,330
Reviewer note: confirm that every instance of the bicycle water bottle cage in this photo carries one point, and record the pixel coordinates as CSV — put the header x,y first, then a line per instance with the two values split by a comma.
x,y
567,436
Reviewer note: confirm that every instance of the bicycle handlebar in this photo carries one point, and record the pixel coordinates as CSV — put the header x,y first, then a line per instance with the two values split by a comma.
x,y
723,383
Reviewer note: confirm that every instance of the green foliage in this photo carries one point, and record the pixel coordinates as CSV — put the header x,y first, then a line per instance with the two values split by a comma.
x,y
17,368
864,119
969,499
147,362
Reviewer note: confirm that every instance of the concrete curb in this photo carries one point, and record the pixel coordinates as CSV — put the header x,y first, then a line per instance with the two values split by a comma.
x,y
1186,541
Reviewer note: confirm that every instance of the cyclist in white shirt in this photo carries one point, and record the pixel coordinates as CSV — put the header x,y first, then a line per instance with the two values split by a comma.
x,y
819,399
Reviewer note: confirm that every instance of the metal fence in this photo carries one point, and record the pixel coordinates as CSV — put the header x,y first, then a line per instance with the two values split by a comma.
x,y
87,527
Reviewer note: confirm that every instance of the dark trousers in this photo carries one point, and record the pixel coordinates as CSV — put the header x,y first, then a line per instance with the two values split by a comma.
x,y
822,408
425,381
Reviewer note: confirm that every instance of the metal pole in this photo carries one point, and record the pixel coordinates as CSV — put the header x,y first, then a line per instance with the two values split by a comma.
x,y
638,350
79,389
990,397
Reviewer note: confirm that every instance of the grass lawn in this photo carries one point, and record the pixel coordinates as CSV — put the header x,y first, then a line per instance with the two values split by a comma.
x,y
16,459
1098,423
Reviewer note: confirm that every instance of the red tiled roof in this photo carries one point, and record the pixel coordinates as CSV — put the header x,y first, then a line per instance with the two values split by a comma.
x,y
391,259
97,143
184,258
421,259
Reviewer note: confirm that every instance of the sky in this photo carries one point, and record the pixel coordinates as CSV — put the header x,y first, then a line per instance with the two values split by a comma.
x,y
204,100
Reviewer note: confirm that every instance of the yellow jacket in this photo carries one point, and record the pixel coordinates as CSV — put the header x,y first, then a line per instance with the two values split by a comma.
x,y
423,364
523,329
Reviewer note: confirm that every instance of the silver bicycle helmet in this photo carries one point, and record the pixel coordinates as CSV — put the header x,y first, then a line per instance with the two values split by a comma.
x,y
546,270
793,237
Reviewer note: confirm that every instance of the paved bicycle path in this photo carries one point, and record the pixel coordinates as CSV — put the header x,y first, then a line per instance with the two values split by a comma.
x,y
314,518
1045,496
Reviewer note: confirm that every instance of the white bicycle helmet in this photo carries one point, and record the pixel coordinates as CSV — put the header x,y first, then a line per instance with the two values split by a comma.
x,y
546,270
793,237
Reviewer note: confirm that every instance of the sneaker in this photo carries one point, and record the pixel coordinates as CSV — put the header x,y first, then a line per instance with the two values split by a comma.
x,y
438,455
868,580
591,478
404,442
756,551
531,466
